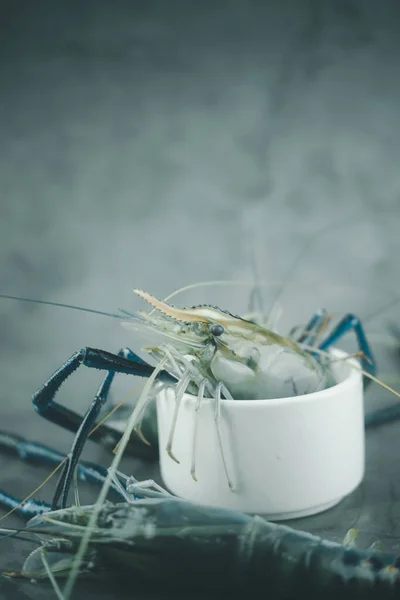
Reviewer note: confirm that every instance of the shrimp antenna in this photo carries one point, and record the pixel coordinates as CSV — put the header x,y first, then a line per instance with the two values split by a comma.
x,y
311,240
381,309
73,307
227,282
9,533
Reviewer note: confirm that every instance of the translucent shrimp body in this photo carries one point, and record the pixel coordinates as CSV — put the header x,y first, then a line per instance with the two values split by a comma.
x,y
251,361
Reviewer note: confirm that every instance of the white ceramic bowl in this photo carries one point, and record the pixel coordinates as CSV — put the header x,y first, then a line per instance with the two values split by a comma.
x,y
288,457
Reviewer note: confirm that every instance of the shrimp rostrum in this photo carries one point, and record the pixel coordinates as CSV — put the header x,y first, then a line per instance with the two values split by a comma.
x,y
204,351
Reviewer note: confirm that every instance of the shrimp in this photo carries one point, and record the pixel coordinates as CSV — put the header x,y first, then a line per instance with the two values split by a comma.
x,y
168,542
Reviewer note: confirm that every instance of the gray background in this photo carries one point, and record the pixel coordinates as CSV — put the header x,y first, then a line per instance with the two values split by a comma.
x,y
156,144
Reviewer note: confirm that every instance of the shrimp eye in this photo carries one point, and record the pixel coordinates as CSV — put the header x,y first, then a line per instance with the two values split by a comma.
x,y
216,330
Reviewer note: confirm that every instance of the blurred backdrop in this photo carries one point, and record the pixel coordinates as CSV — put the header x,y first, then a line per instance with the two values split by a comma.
x,y
155,144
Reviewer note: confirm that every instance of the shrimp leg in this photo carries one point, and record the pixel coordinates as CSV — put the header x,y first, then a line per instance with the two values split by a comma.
x,y
25,510
348,323
221,389
124,362
313,328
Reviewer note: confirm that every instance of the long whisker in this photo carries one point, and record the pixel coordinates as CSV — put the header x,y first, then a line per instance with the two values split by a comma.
x,y
61,305
239,282
357,367
9,533
382,309
39,487
311,240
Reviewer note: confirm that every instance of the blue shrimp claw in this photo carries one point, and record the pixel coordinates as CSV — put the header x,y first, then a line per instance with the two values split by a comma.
x,y
126,362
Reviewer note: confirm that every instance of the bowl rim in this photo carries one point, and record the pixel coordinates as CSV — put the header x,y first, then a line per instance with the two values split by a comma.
x,y
351,380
